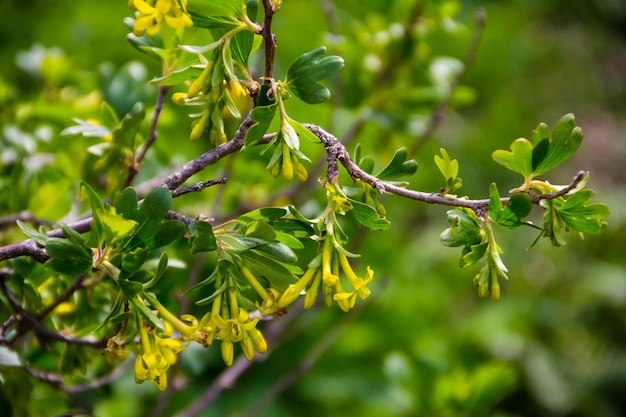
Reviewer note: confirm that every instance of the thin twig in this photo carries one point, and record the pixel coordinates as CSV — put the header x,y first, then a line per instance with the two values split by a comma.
x,y
269,39
337,152
152,135
23,216
208,158
197,187
44,334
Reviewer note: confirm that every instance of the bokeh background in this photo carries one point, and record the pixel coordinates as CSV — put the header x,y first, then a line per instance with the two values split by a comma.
x,y
424,343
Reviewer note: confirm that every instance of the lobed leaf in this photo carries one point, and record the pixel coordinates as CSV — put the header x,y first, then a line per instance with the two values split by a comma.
x,y
305,72
566,138
399,166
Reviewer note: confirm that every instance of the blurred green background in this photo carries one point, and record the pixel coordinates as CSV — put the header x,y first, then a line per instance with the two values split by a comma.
x,y
424,344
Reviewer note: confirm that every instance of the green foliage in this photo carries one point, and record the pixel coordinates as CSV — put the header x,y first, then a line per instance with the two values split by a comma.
x,y
115,258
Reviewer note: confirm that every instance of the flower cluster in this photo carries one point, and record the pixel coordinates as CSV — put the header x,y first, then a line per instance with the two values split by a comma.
x,y
158,353
324,270
151,15
215,100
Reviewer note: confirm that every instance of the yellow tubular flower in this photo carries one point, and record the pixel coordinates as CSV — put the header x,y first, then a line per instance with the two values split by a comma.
x,y
293,291
152,14
358,284
258,341
150,365
311,293
287,164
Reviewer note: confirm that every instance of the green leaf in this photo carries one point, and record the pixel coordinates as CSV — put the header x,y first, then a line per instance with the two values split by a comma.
x,y
216,22
274,272
160,271
263,116
278,250
259,229
566,138
520,204
115,226
519,159
125,134
399,166
449,168
223,8
241,46
152,211
67,256
142,309
132,262
264,213
512,214
202,238
97,207
178,76
305,72
38,236
126,203
368,216
115,309
108,115
464,229
302,131
540,150
168,232
472,254
581,216
293,227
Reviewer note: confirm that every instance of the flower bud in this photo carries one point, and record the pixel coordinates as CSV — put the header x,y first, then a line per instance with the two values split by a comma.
x,y
301,173
258,341
495,289
287,164
203,82
227,352
247,347
198,128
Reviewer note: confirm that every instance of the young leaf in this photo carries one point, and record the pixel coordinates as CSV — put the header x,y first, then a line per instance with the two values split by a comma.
x,y
464,230
153,209
160,271
263,116
302,131
202,238
368,216
130,292
40,237
305,72
519,159
566,138
124,134
399,166
512,214
449,168
581,216
68,256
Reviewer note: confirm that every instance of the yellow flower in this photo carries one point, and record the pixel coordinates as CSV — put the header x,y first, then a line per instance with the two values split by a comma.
x,y
358,284
151,366
153,13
